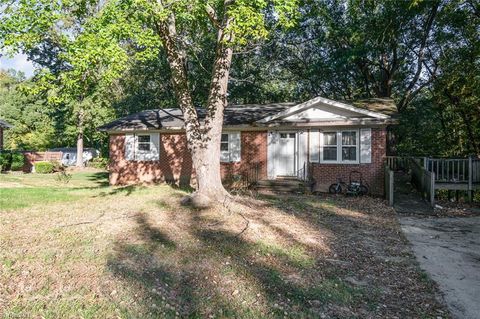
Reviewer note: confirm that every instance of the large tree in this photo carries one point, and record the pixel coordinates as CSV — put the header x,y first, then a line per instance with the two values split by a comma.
x,y
96,38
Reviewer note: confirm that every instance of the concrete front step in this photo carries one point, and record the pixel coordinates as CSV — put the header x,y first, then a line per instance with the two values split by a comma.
x,y
281,185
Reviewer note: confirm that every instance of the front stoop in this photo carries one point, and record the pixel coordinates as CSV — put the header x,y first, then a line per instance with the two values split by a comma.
x,y
282,184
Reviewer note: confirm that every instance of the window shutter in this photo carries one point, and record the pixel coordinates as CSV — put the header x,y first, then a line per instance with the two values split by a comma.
x,y
154,147
129,147
314,146
302,148
234,146
272,139
365,145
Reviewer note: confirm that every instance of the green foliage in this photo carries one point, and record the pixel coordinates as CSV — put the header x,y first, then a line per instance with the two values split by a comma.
x,y
63,177
103,63
44,167
5,160
18,161
99,162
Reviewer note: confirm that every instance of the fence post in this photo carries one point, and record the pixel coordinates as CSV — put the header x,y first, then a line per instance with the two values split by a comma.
x,y
390,186
470,178
425,163
432,189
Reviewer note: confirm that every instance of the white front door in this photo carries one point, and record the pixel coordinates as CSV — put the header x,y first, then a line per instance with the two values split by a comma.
x,y
285,155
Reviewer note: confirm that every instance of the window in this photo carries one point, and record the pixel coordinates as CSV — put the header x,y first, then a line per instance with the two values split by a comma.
x,y
224,143
142,147
339,147
143,143
230,147
349,146
287,135
330,146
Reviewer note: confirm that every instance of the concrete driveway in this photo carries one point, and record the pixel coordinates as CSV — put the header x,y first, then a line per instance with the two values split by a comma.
x,y
449,250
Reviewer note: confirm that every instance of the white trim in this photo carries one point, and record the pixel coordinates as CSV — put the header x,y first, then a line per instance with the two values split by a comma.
x,y
311,103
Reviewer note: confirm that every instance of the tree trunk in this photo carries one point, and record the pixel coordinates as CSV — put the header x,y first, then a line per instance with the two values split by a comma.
x,y
203,139
80,129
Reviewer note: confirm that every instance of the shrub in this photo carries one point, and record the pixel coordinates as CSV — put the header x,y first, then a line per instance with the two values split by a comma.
x,y
5,160
44,167
99,162
63,177
57,166
18,161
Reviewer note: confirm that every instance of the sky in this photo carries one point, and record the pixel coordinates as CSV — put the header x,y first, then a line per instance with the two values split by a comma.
x,y
19,62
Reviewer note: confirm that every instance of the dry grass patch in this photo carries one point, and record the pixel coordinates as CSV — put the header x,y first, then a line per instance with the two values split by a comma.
x,y
136,253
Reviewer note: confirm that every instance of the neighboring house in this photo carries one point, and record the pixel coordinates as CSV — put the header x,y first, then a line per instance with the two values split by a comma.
x,y
279,139
3,125
69,155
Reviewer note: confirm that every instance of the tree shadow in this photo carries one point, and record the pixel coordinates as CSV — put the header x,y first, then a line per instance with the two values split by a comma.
x,y
100,178
192,266
126,190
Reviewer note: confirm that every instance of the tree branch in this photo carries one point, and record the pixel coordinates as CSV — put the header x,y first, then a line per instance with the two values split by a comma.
x,y
212,15
421,55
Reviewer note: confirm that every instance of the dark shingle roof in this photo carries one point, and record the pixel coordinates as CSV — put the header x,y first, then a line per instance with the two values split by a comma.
x,y
4,124
173,118
234,115
380,105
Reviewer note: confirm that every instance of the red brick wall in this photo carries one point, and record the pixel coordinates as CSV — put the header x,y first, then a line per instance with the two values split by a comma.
x,y
326,174
175,164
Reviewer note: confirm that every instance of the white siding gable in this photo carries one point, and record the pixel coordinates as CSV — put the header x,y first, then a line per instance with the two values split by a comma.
x,y
322,113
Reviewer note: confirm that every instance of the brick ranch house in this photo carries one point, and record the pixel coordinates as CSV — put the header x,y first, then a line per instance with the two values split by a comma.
x,y
3,126
276,139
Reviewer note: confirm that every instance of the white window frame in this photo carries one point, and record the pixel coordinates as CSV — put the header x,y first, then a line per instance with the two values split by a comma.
x,y
223,142
140,155
230,148
339,147
137,143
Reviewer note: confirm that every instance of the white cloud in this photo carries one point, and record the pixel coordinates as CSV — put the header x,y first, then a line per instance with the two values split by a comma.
x,y
19,62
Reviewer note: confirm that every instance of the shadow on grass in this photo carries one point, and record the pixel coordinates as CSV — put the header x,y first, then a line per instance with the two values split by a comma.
x,y
100,178
126,190
190,278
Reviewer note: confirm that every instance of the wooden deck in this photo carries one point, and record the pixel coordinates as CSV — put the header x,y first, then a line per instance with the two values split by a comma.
x,y
431,174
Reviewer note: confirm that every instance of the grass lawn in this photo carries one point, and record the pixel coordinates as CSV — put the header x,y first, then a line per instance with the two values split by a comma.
x,y
86,250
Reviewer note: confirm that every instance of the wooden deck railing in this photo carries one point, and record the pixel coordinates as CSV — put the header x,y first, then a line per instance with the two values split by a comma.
x,y
424,181
429,174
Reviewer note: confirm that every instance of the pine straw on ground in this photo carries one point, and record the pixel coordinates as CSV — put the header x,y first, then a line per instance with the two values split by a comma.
x,y
137,253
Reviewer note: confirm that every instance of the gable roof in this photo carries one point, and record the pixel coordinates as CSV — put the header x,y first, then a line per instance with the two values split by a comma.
x,y
321,101
4,124
249,114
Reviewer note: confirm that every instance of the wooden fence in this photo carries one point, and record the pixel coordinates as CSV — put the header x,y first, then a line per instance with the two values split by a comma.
x,y
32,157
389,185
398,163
